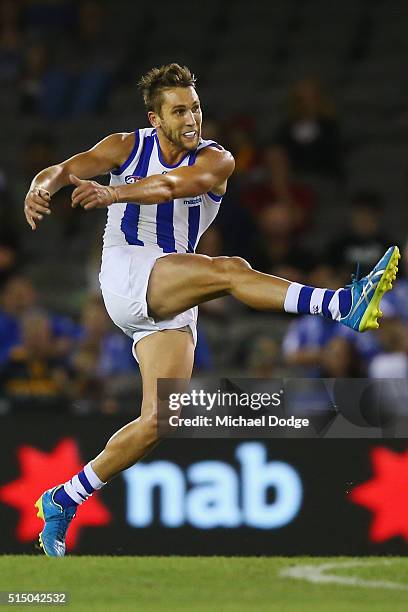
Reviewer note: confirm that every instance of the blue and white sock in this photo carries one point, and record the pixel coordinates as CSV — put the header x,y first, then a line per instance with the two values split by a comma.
x,y
309,300
79,488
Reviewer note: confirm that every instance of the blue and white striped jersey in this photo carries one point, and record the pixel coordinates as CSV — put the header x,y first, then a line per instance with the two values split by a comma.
x,y
171,227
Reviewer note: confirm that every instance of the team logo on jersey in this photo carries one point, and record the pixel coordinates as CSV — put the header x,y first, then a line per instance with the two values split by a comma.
x,y
130,179
194,201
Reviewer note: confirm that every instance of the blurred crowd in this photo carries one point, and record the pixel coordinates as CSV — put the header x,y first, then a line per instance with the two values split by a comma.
x,y
58,348
60,55
49,360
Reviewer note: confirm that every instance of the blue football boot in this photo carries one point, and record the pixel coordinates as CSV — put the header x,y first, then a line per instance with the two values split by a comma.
x,y
366,293
56,522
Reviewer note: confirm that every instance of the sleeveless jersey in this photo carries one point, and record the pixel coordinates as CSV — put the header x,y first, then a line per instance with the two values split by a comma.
x,y
170,227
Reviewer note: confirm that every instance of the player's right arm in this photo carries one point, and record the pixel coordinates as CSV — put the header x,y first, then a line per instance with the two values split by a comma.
x,y
108,154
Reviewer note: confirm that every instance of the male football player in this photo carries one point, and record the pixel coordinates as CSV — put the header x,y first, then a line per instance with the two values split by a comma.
x,y
165,189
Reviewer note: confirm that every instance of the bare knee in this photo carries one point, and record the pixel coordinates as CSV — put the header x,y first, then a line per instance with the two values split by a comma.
x,y
230,265
148,418
139,433
149,425
229,268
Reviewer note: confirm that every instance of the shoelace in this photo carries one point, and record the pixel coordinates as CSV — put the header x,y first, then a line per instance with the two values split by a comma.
x,y
356,276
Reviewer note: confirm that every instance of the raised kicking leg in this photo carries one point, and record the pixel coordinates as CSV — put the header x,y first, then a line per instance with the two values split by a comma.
x,y
180,281
164,354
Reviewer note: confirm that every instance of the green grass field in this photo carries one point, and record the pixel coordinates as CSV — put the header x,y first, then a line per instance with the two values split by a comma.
x,y
208,583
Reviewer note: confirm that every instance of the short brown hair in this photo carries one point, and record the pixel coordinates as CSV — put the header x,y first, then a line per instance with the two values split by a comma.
x,y
156,80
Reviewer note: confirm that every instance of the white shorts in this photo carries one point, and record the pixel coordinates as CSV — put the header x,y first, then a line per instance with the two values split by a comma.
x,y
124,277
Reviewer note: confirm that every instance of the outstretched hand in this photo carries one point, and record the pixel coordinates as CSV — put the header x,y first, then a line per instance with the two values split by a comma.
x,y
90,194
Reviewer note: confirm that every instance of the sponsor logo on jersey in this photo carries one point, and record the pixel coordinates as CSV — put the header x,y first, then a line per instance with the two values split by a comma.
x,y
194,201
130,179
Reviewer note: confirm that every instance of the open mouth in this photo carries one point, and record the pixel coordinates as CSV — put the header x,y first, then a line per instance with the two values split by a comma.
x,y
190,135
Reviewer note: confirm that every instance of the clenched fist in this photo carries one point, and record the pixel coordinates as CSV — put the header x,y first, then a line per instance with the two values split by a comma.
x,y
90,194
36,204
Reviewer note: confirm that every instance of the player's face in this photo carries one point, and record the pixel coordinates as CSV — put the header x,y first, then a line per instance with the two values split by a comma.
x,y
180,117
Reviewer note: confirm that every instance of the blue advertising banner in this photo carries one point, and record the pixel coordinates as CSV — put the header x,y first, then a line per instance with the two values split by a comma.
x,y
206,497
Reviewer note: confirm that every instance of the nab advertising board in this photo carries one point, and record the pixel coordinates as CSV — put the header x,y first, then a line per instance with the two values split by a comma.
x,y
244,497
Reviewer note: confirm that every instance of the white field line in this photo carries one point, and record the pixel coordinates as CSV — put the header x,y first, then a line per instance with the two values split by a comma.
x,y
317,573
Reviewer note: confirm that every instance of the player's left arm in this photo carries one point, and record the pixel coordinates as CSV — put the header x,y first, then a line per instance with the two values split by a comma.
x,y
210,172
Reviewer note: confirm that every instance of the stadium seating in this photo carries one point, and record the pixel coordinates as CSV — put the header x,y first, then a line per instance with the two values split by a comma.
x,y
246,56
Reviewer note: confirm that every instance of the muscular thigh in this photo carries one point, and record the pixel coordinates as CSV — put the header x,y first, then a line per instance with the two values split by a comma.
x,y
180,281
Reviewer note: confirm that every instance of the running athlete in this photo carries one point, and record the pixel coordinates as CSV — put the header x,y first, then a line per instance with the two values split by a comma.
x,y
165,190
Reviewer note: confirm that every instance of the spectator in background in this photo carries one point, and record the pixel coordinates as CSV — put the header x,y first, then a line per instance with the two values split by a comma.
x,y
391,360
308,141
320,350
260,195
263,357
304,343
18,298
313,398
307,337
363,241
102,363
275,247
33,377
339,359
240,141
309,138
44,88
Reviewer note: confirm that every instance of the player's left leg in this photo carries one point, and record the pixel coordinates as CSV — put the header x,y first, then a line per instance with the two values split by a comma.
x,y
167,354
164,354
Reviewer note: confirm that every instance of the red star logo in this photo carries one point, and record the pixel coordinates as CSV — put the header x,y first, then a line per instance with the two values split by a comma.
x,y
41,471
386,495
